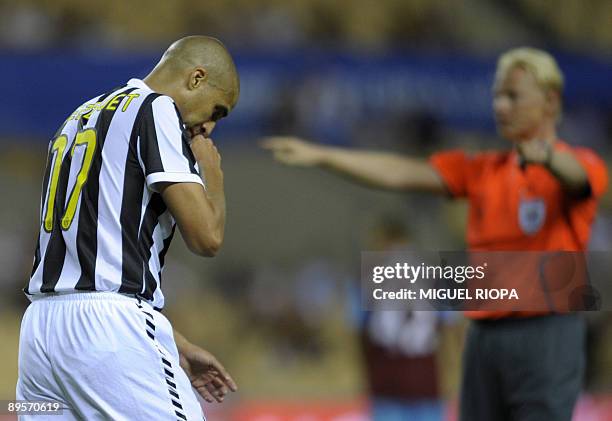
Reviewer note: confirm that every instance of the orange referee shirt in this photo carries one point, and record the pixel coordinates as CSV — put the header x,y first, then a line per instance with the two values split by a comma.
x,y
520,209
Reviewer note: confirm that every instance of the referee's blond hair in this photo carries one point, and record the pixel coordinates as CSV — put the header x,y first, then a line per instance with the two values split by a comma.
x,y
539,63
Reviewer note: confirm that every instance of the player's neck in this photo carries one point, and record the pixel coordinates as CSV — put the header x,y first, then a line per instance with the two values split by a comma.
x,y
158,84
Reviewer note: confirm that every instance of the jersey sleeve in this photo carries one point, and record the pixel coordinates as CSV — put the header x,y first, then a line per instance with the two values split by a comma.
x,y
453,168
163,148
595,169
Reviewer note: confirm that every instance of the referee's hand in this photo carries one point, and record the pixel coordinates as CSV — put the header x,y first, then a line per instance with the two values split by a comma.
x,y
206,374
294,151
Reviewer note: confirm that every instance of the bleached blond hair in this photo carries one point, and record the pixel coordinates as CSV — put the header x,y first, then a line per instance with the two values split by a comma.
x,y
539,63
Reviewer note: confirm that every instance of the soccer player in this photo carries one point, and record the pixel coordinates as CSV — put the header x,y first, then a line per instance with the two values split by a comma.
x,y
540,195
122,171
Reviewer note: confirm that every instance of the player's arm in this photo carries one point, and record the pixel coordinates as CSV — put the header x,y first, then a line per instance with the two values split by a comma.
x,y
562,164
206,374
169,164
199,212
376,169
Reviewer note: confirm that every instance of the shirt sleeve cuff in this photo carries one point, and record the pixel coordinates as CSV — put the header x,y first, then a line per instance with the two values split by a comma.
x,y
173,177
451,189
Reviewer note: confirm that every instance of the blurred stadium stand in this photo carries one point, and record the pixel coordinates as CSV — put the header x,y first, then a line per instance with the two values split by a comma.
x,y
326,94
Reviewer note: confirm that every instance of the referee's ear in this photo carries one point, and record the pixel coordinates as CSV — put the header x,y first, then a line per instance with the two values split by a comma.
x,y
197,78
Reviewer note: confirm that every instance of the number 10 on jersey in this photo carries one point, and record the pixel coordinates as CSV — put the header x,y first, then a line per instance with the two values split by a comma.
x,y
84,139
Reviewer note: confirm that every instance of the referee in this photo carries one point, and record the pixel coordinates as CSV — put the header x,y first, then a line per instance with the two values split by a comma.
x,y
541,195
122,171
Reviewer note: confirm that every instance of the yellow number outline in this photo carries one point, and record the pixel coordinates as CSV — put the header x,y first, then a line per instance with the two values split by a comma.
x,y
57,149
87,138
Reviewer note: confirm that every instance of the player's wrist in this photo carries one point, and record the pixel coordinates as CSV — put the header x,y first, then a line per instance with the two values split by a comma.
x,y
215,187
181,342
211,174
186,350
203,149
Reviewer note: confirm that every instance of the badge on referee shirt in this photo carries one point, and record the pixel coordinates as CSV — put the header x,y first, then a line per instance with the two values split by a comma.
x,y
532,213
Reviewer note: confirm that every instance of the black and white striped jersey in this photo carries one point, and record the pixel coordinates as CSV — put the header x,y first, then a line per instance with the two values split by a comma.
x,y
103,226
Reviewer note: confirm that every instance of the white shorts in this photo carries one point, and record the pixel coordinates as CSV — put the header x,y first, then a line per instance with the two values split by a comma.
x,y
103,356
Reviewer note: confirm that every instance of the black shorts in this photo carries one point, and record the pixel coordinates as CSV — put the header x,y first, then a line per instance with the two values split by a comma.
x,y
527,369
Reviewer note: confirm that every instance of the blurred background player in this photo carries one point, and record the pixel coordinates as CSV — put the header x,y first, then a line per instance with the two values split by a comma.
x,y
517,365
94,338
400,347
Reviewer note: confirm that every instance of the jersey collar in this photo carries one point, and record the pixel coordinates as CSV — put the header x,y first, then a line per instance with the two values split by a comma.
x,y
138,83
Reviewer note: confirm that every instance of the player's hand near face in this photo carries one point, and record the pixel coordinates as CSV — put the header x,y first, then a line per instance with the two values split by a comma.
x,y
206,374
203,231
294,151
206,153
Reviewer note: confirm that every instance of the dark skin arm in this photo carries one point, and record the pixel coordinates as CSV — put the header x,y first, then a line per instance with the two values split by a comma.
x,y
200,216
199,212
206,374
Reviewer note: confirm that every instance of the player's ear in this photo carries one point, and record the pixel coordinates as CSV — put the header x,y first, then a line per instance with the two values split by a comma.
x,y
197,77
